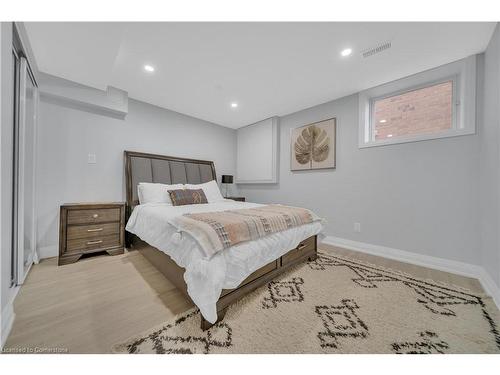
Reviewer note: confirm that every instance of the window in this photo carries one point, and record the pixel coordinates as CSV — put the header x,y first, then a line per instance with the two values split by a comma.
x,y
434,104
421,111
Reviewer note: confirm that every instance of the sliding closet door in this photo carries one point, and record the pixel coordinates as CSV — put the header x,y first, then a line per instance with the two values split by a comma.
x,y
26,154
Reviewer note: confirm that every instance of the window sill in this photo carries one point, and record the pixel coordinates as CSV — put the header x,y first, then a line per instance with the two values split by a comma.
x,y
425,137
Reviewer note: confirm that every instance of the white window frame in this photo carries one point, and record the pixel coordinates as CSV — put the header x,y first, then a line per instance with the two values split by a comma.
x,y
463,75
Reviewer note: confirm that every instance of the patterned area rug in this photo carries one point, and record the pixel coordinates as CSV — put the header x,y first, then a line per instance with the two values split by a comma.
x,y
338,305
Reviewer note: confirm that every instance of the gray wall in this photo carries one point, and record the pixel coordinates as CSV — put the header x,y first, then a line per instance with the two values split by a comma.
x,y
490,160
6,115
420,197
66,136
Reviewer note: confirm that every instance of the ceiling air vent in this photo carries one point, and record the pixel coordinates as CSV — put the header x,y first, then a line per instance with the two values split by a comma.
x,y
377,49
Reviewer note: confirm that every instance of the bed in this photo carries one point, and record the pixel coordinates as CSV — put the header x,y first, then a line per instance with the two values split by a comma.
x,y
211,283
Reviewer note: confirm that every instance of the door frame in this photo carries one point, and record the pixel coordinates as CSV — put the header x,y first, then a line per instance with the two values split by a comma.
x,y
20,146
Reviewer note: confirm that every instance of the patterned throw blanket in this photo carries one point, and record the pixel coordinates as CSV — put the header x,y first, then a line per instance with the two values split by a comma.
x,y
216,231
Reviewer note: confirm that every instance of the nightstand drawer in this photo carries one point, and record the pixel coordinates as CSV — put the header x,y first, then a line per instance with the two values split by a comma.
x,y
91,231
96,242
90,216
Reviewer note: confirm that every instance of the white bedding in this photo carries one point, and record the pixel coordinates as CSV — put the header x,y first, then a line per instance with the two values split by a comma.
x,y
205,278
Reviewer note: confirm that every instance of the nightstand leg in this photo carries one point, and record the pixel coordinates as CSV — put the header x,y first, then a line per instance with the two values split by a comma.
x,y
68,259
115,251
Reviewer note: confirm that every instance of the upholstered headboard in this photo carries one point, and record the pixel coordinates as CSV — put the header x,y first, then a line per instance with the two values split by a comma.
x,y
141,167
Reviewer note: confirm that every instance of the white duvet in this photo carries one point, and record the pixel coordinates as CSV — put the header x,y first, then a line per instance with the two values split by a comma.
x,y
205,278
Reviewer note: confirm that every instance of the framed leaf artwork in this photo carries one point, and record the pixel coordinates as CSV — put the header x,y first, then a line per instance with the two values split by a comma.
x,y
313,146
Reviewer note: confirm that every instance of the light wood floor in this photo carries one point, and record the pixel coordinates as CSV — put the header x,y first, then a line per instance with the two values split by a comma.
x,y
88,306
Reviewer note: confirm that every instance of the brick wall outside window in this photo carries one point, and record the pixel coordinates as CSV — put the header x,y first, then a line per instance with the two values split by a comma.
x,y
421,111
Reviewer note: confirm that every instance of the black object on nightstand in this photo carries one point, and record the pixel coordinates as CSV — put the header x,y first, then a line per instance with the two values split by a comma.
x,y
239,199
227,179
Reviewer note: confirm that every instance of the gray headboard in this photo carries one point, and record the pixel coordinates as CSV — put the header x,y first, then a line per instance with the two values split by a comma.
x,y
141,167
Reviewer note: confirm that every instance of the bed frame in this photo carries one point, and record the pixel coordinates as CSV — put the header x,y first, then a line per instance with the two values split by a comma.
x,y
142,167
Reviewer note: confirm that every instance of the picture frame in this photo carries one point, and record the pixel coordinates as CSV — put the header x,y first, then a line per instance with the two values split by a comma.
x,y
313,146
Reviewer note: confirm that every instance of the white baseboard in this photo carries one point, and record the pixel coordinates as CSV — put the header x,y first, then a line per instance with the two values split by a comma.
x,y
446,265
489,285
7,317
47,252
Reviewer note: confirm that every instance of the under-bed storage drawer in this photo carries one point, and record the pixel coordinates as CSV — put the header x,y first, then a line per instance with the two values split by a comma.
x,y
304,248
255,275
261,271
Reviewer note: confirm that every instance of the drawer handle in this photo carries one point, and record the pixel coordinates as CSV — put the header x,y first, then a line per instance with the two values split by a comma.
x,y
94,230
95,216
301,246
94,242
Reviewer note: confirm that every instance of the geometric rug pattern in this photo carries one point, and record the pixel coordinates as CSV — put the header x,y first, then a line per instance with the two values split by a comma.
x,y
337,305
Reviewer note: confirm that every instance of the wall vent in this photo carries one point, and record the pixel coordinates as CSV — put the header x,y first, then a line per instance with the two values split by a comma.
x,y
372,51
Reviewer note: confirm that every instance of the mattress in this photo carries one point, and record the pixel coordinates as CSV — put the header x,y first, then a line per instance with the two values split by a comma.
x,y
206,277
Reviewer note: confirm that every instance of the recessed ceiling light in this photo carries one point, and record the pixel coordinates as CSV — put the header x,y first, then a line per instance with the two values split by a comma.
x,y
346,52
383,121
389,135
234,105
149,68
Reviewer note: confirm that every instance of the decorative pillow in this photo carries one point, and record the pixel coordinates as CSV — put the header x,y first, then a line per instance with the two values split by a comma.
x,y
149,192
182,197
211,190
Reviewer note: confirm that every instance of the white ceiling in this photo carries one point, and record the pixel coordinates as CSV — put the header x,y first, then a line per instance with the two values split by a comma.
x,y
268,68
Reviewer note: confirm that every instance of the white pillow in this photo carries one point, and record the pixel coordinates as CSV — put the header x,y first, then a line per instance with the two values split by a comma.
x,y
148,192
211,190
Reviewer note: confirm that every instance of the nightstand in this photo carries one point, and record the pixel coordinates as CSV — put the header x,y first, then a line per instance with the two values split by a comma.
x,y
89,228
239,199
